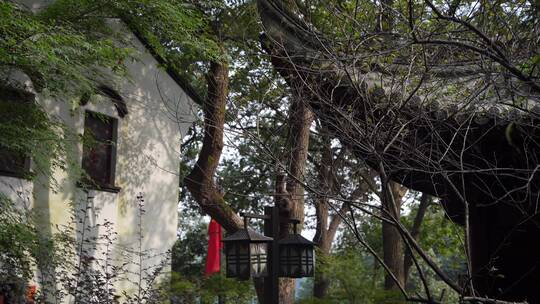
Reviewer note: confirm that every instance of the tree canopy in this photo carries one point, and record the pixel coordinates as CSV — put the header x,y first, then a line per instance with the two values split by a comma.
x,y
374,122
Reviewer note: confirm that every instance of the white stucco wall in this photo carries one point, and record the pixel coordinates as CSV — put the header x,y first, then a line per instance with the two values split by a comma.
x,y
148,154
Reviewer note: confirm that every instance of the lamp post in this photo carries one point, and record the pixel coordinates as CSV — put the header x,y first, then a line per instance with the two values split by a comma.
x,y
251,255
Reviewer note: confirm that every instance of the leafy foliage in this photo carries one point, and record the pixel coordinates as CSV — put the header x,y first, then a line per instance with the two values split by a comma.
x,y
188,260
19,246
353,280
29,132
56,53
82,262
356,277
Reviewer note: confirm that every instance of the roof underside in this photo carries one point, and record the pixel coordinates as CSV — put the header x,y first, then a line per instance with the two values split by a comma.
x,y
459,125
247,235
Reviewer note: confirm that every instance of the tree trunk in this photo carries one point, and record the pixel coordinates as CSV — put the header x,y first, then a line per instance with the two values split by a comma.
x,y
321,240
300,119
290,200
392,242
324,243
200,181
324,231
425,201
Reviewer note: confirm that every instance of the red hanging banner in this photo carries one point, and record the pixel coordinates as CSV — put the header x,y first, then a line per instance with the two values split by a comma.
x,y
214,245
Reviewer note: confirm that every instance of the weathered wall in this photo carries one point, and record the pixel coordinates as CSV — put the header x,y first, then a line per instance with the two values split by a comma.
x,y
148,153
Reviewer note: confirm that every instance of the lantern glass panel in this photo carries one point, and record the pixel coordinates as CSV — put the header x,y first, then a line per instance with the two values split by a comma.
x,y
294,270
243,249
243,260
310,261
304,260
237,257
294,258
230,255
231,270
243,271
283,270
258,259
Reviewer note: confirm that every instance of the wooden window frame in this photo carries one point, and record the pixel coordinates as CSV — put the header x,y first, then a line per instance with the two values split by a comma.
x,y
16,96
91,184
23,173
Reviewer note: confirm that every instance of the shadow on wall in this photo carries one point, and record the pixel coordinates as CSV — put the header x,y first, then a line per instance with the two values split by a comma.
x,y
149,152
159,112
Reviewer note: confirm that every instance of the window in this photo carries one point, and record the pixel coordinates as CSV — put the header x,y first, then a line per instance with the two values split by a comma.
x,y
13,116
13,163
99,151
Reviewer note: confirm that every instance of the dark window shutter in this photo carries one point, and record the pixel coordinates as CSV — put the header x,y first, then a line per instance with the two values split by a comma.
x,y
99,152
11,162
14,161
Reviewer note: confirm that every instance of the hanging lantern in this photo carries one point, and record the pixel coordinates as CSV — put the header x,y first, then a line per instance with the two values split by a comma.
x,y
296,256
246,254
